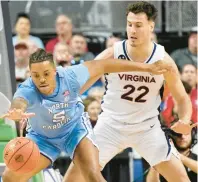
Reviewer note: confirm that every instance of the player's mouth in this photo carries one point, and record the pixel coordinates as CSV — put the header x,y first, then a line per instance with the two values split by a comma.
x,y
43,86
133,38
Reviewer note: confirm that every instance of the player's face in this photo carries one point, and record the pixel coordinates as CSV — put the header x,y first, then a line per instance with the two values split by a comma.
x,y
139,29
184,141
44,77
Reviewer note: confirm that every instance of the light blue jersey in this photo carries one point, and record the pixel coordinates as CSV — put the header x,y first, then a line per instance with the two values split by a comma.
x,y
56,114
59,120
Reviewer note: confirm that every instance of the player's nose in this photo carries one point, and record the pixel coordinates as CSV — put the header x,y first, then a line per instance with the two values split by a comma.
x,y
133,30
42,80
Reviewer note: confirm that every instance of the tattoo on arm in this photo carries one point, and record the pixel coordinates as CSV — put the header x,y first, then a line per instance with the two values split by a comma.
x,y
19,103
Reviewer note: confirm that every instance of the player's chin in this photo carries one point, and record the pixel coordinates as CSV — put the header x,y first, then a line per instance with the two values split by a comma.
x,y
133,43
44,90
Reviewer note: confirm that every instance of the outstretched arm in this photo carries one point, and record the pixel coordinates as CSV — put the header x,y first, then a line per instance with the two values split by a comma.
x,y
97,68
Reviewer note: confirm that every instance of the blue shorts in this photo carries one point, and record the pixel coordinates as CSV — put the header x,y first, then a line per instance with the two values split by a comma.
x,y
52,147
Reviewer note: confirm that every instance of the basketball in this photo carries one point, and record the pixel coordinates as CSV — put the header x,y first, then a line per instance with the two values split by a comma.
x,y
21,155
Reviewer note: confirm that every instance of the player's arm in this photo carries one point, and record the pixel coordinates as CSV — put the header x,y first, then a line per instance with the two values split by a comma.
x,y
19,105
96,68
100,67
106,54
190,163
179,94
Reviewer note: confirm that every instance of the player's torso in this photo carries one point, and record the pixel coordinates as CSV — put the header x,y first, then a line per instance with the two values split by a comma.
x,y
55,114
133,97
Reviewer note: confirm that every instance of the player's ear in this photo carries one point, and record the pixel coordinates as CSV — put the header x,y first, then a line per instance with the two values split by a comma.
x,y
152,25
54,70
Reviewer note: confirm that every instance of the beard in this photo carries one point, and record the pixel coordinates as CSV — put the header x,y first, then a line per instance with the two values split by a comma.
x,y
182,148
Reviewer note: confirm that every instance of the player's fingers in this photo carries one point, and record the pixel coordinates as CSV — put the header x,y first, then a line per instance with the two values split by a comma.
x,y
163,71
159,72
175,126
10,111
28,115
4,116
194,125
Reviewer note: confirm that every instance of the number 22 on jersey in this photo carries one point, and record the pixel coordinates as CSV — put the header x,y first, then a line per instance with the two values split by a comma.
x,y
143,90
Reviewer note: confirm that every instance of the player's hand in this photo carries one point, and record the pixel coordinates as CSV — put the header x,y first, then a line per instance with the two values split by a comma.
x,y
17,115
160,67
22,124
183,128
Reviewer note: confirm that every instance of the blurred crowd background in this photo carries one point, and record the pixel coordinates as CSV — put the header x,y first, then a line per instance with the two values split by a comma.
x,y
77,31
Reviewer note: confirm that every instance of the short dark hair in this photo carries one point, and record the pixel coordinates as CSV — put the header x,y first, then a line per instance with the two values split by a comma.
x,y
143,7
40,56
22,15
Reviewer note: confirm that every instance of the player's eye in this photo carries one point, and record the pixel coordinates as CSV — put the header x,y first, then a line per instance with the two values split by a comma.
x,y
138,25
46,74
36,76
130,25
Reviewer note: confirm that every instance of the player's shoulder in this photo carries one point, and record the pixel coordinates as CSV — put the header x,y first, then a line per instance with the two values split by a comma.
x,y
159,47
119,43
110,52
68,73
61,71
26,88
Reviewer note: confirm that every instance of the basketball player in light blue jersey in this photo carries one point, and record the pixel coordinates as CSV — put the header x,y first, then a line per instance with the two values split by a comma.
x,y
50,97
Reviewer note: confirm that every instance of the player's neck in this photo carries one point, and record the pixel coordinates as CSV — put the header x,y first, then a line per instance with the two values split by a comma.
x,y
141,52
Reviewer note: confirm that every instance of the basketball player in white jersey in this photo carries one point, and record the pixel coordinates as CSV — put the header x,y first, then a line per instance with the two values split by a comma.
x,y
130,104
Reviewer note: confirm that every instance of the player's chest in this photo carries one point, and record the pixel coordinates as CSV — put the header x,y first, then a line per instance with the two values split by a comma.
x,y
63,101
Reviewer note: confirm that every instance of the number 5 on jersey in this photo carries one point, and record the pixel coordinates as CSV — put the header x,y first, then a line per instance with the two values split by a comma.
x,y
58,117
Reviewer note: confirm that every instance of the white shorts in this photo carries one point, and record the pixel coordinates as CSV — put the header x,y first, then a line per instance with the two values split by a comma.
x,y
147,138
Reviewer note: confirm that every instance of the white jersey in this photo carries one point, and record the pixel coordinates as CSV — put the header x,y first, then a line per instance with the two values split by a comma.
x,y
133,97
